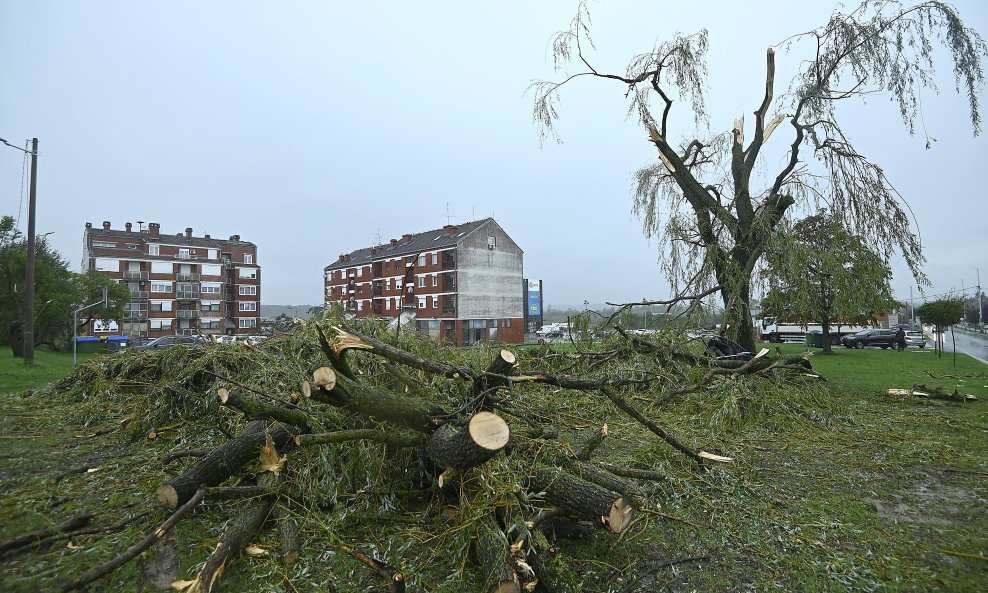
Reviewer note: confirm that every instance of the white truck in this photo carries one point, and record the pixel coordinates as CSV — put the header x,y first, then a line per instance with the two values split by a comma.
x,y
772,329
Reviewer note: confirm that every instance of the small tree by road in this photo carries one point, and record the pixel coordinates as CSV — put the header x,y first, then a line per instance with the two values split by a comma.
x,y
942,313
819,272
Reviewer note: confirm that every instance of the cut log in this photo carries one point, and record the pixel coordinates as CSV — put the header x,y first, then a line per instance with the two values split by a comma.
x,y
584,499
607,480
288,529
220,464
468,446
491,547
410,412
239,532
35,537
255,409
496,377
592,443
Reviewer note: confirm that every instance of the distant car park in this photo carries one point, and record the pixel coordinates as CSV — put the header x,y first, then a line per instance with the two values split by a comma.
x,y
169,341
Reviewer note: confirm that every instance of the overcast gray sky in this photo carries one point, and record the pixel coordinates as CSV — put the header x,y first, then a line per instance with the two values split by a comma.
x,y
314,128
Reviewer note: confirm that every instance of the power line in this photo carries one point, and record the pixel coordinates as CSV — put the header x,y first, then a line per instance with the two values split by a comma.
x,y
17,147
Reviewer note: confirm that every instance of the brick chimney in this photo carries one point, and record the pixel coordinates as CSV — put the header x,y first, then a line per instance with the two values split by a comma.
x,y
154,229
89,225
234,237
188,232
394,242
450,229
405,238
106,225
128,226
206,236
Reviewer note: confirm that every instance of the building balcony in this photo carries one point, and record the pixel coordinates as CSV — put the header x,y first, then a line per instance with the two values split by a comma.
x,y
139,294
132,316
187,295
449,261
211,314
135,275
186,256
185,277
187,314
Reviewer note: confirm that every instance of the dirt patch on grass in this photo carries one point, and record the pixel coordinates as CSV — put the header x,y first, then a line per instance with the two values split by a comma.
x,y
934,495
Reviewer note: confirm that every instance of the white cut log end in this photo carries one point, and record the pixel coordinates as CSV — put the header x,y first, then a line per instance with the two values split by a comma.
x,y
508,356
167,496
324,377
489,431
620,516
224,395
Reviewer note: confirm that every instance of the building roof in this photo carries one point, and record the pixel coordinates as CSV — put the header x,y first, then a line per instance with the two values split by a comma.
x,y
178,239
443,238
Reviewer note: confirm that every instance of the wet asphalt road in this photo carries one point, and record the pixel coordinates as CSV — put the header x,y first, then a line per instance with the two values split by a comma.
x,y
970,343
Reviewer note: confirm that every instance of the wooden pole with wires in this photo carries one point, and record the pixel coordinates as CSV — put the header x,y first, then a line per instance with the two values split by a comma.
x,y
29,267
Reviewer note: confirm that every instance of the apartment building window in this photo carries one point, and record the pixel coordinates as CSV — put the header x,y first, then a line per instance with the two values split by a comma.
x,y
247,290
421,281
421,302
107,264
360,305
491,241
248,258
161,324
103,244
249,273
388,284
246,322
162,267
421,261
161,305
435,302
161,287
435,280
435,259
248,306
210,288
213,253
154,249
183,253
387,304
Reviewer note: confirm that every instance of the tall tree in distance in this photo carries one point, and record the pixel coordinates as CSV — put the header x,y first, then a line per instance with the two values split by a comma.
x,y
943,314
817,271
713,216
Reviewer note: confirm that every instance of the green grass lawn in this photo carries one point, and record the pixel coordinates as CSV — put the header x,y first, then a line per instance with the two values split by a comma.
x,y
48,366
873,370
844,488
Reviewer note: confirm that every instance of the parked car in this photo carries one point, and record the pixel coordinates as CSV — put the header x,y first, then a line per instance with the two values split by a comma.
x,y
169,341
915,339
883,338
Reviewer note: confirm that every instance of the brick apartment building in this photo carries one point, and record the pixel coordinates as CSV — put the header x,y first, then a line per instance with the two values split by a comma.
x,y
179,284
463,282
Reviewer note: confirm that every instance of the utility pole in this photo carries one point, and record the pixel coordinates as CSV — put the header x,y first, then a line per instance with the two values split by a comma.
x,y
29,268
981,320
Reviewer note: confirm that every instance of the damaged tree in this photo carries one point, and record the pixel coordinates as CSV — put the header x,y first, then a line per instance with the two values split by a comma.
x,y
702,199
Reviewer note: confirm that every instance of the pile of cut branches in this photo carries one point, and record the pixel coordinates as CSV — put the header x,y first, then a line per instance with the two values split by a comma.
x,y
464,465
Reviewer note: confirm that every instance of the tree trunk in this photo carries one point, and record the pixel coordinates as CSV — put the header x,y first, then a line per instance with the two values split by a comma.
x,y
583,499
220,464
238,534
461,447
491,547
410,412
736,296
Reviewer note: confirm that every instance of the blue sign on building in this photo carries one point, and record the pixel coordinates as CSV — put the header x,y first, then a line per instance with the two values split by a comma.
x,y
534,303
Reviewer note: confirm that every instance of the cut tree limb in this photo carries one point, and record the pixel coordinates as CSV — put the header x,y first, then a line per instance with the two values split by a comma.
x,y
468,446
220,464
135,550
255,409
491,547
410,412
35,537
592,443
347,338
239,532
584,499
495,377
